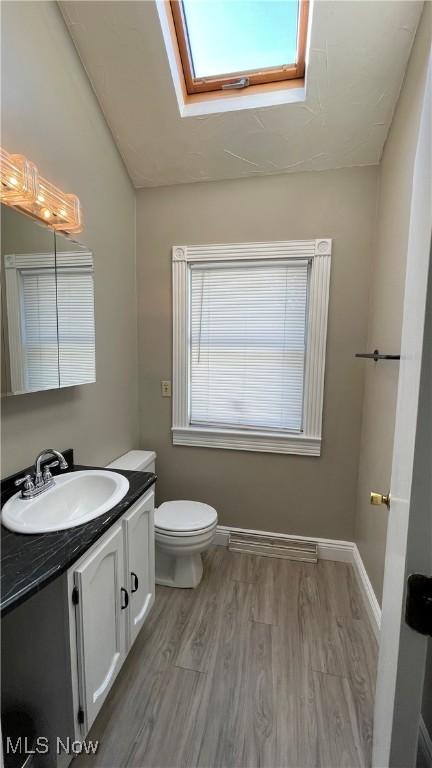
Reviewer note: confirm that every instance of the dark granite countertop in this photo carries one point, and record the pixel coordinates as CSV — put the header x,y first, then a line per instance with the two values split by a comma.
x,y
30,561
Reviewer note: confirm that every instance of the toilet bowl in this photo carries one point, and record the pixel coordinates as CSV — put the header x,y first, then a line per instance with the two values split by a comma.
x,y
183,530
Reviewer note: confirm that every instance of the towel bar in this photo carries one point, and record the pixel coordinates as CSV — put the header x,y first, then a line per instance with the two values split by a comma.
x,y
375,355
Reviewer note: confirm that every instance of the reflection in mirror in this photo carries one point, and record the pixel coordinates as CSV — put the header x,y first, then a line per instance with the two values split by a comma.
x,y
29,332
48,333
75,312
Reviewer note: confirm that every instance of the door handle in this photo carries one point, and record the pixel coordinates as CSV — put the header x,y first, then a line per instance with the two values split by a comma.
x,y
380,498
243,82
126,598
135,582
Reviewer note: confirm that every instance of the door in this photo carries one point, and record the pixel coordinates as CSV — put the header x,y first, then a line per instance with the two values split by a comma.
x,y
100,621
139,549
402,654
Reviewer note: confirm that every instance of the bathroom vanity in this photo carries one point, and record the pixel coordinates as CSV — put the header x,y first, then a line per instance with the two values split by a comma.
x,y
73,602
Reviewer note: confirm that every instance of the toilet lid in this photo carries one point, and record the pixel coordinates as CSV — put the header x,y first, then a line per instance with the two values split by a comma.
x,y
184,516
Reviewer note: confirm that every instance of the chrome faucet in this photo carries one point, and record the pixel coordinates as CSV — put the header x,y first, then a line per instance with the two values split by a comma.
x,y
33,486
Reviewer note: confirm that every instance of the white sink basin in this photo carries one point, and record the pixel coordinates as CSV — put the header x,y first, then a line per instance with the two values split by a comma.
x,y
76,498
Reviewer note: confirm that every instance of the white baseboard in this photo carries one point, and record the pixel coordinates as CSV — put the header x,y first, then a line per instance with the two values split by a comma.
x,y
369,598
328,549
343,552
221,537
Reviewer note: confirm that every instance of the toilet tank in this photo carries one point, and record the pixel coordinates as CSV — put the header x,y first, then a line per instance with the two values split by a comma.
x,y
139,461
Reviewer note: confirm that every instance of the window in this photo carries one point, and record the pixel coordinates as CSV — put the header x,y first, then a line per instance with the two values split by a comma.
x,y
50,320
230,44
248,345
250,323
76,333
39,328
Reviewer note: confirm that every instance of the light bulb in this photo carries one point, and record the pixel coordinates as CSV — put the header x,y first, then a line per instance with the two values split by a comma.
x,y
22,187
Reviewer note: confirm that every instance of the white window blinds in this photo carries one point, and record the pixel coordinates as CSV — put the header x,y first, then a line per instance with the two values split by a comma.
x,y
58,336
248,343
76,334
39,329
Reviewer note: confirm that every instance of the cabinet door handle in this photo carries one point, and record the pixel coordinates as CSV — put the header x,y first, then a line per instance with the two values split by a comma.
x,y
126,598
135,582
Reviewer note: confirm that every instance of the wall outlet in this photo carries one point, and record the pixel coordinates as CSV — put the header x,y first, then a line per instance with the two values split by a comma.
x,y
166,388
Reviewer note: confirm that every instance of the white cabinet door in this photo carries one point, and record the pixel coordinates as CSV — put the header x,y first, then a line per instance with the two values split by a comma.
x,y
99,578
138,526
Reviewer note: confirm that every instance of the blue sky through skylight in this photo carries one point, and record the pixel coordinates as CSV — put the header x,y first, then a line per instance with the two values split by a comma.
x,y
239,35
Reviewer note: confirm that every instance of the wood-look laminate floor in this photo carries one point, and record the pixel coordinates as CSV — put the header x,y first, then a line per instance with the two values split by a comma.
x,y
267,663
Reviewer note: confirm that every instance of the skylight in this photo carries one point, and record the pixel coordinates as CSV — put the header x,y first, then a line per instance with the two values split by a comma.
x,y
226,44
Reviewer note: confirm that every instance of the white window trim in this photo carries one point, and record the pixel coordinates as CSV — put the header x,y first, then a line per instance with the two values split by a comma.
x,y
308,443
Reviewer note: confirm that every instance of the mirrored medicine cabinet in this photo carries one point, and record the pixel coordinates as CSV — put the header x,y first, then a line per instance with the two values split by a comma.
x,y
48,327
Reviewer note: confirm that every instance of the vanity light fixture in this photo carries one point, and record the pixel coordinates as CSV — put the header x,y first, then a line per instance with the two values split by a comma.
x,y
22,187
19,179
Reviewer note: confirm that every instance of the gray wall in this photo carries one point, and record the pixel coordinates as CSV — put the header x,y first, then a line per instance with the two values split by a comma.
x,y
291,494
50,114
386,305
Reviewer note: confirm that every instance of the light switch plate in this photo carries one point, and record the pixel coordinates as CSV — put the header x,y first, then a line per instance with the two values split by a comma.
x,y
166,388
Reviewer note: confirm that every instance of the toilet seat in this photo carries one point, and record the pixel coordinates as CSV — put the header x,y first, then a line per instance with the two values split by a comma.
x,y
183,518
183,530
163,533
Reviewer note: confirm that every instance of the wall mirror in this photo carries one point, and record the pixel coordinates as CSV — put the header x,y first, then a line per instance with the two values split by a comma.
x,y
47,308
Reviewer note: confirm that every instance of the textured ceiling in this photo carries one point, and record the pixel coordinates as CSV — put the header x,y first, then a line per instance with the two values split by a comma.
x,y
357,59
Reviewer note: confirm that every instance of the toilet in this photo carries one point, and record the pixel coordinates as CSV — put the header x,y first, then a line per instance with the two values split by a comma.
x,y
183,529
